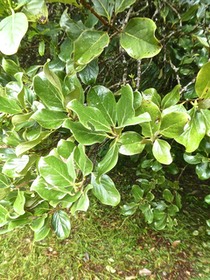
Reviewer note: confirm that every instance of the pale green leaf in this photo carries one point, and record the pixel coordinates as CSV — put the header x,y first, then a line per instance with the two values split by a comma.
x,y
9,106
83,135
202,84
12,30
89,45
125,109
105,191
138,38
3,215
161,151
171,98
19,203
49,119
130,143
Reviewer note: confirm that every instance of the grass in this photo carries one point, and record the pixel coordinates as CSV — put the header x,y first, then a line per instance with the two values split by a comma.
x,y
104,245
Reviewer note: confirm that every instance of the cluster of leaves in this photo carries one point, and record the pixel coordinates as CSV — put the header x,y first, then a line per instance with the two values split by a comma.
x,y
54,117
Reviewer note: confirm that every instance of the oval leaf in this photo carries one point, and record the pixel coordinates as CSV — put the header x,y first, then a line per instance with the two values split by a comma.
x,y
61,224
12,30
161,151
105,191
202,84
138,38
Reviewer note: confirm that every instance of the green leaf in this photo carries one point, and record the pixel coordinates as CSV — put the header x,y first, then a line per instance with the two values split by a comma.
x,y
109,161
137,193
22,120
83,135
125,109
53,79
206,118
65,148
138,38
129,209
121,5
171,98
3,215
172,124
194,131
49,119
202,84
193,159
90,117
161,151
35,10
104,8
48,193
38,223
9,106
13,167
207,199
12,30
203,170
168,196
130,143
143,118
49,95
15,89
89,74
42,233
20,221
103,99
105,191
19,203
4,186
82,161
54,171
82,204
25,146
10,67
61,224
149,128
89,45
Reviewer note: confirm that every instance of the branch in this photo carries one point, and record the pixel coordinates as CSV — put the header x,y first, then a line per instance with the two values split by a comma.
x,y
90,8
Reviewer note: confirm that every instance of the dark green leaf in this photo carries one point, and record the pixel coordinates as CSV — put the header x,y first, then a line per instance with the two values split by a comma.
x,y
61,224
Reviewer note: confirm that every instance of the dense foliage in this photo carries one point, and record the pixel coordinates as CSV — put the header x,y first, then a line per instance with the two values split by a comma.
x,y
84,83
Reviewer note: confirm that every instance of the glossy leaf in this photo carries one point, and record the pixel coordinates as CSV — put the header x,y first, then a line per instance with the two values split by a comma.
x,y
13,167
82,204
203,170
121,5
109,161
12,30
9,106
104,8
49,95
82,161
138,38
25,146
38,223
104,100
42,233
49,119
161,151
193,132
171,98
3,215
125,108
89,74
207,199
65,148
90,117
202,84
105,191
168,196
19,203
89,45
130,143
61,224
83,135
54,171
172,124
